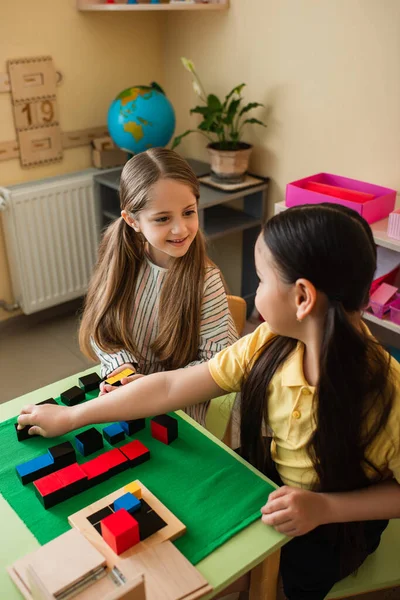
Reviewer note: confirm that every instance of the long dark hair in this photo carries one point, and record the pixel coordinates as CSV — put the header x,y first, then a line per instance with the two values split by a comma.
x,y
333,247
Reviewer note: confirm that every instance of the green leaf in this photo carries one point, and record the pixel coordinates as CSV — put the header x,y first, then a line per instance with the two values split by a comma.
x,y
156,86
236,90
202,110
232,110
249,106
254,121
213,102
179,138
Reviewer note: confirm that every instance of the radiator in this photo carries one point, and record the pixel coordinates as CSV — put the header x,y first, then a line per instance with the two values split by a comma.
x,y
51,230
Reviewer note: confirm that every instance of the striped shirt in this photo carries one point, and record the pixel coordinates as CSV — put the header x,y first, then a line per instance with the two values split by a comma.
x,y
217,329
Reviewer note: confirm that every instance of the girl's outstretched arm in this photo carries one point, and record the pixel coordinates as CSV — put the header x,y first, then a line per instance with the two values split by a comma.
x,y
152,395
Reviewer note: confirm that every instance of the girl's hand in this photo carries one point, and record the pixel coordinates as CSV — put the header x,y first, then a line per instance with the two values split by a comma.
x,y
47,420
294,511
106,387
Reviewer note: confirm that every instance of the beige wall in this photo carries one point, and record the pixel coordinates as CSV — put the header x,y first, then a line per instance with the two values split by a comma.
x,y
98,55
328,71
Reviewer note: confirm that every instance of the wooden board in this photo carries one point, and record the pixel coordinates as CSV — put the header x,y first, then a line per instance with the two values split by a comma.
x,y
174,528
33,89
35,575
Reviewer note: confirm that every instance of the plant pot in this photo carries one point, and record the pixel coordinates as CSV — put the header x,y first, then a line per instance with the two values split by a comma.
x,y
229,166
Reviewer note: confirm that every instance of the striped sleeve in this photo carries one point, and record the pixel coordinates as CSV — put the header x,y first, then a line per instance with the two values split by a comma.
x,y
111,361
217,330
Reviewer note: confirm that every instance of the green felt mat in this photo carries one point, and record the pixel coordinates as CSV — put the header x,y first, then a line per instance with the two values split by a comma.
x,y
211,492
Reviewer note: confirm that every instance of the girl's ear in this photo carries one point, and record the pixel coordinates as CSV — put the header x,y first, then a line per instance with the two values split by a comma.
x,y
130,220
305,298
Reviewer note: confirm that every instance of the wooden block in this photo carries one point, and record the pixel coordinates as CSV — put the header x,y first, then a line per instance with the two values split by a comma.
x,y
174,527
97,470
127,501
36,113
164,428
40,146
116,379
113,433
132,427
63,454
136,452
35,469
134,488
120,531
72,396
32,78
89,441
89,382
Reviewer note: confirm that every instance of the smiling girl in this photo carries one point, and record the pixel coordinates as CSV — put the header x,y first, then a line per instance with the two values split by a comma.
x,y
156,301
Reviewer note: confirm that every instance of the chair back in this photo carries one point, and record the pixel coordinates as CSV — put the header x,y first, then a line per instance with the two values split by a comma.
x,y
238,308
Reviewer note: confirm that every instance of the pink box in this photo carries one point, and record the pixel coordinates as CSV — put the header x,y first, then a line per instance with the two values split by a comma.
x,y
395,311
394,225
372,210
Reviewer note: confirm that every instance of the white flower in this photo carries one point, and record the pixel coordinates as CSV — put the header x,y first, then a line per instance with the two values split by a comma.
x,y
188,64
197,89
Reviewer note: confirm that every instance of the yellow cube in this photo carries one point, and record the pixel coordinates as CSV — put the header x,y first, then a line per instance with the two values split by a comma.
x,y
135,489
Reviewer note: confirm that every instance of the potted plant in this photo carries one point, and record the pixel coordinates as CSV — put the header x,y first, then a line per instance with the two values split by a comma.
x,y
222,124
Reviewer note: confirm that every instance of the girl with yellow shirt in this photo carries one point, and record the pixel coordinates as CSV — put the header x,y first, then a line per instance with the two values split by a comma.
x,y
314,374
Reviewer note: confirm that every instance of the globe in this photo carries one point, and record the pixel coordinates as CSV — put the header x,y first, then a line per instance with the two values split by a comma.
x,y
141,117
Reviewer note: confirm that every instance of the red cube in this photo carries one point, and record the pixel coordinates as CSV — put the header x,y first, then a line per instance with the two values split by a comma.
x,y
120,531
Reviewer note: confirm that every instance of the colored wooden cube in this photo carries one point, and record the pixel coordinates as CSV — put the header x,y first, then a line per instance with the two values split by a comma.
x,y
48,401
62,454
120,531
35,469
128,501
72,396
96,518
132,427
49,490
134,488
149,521
22,434
97,470
90,382
135,452
164,428
116,379
116,461
74,479
113,433
89,441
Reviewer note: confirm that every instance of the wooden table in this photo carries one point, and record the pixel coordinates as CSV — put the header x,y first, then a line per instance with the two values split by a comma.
x,y
255,549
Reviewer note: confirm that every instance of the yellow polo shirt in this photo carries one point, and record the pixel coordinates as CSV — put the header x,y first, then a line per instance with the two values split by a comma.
x,y
290,410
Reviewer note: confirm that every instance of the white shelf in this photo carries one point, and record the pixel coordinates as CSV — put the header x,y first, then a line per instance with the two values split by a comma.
x,y
379,230
382,322
90,5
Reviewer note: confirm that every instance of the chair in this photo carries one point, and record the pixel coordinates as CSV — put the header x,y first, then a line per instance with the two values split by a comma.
x,y
218,419
381,569
238,309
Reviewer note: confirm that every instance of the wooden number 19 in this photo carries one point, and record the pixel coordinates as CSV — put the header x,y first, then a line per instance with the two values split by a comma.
x,y
46,109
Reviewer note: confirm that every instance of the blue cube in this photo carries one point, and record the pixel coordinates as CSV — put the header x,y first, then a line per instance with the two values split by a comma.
x,y
127,501
113,433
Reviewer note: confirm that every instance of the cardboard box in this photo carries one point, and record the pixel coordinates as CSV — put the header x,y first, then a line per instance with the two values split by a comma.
x,y
106,155
372,209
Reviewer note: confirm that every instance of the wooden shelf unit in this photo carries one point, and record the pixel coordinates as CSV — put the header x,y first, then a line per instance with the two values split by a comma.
x,y
101,5
216,218
379,230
